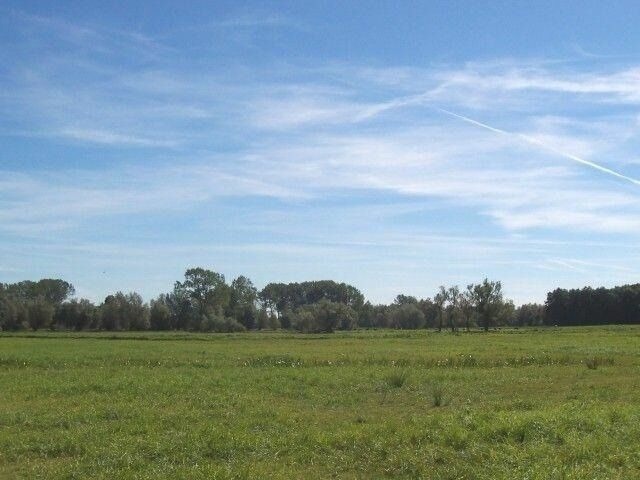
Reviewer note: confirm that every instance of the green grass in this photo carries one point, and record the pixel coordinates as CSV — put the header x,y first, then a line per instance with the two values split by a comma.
x,y
514,404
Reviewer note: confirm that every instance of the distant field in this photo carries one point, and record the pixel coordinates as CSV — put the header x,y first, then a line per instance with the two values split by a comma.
x,y
515,404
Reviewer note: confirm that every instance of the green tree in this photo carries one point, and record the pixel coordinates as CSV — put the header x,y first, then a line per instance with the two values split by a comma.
x,y
407,316
243,300
8,314
52,291
206,288
488,299
405,300
136,312
40,314
75,314
439,301
325,316
467,306
530,314
160,314
453,296
124,312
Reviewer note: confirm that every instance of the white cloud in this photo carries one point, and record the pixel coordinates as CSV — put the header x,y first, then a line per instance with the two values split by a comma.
x,y
113,138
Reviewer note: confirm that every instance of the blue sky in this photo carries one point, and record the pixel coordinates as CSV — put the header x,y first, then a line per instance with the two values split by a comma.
x,y
396,146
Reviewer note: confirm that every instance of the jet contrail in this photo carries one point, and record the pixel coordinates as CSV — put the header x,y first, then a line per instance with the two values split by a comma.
x,y
543,145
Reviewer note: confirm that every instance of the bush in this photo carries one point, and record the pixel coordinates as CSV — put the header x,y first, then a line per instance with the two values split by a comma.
x,y
303,321
267,321
220,324
324,316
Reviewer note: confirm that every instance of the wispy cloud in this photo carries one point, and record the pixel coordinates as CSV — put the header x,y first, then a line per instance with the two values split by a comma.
x,y
254,19
546,146
113,138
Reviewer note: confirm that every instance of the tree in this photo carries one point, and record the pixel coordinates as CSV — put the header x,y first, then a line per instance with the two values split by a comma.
x,y
405,300
488,298
280,297
206,288
218,322
273,297
267,320
366,317
184,315
430,311
529,314
110,312
439,300
453,295
40,314
75,314
467,305
242,304
324,316
52,291
160,314
304,321
8,314
135,312
407,316
124,312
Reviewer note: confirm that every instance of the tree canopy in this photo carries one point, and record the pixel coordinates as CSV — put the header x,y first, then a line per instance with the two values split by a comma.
x,y
204,301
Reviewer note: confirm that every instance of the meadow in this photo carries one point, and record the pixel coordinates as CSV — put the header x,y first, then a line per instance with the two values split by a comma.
x,y
548,403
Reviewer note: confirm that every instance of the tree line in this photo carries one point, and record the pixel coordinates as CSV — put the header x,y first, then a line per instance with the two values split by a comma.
x,y
204,301
593,306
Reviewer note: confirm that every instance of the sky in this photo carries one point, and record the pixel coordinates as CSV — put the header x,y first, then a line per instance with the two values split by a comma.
x,y
396,146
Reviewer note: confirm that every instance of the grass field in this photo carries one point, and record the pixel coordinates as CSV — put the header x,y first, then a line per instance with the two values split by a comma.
x,y
515,404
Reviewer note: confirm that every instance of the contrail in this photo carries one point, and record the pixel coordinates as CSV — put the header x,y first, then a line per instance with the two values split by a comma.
x,y
543,145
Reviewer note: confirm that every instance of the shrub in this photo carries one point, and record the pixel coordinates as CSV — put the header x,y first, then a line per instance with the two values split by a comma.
x,y
221,324
324,316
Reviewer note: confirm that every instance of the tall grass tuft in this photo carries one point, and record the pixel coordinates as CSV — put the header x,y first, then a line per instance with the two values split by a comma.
x,y
593,363
397,379
438,398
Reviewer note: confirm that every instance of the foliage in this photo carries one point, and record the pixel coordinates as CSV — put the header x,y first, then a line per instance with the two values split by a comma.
x,y
160,314
529,314
217,322
75,314
487,297
324,316
279,297
593,306
40,314
407,316
124,312
203,301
